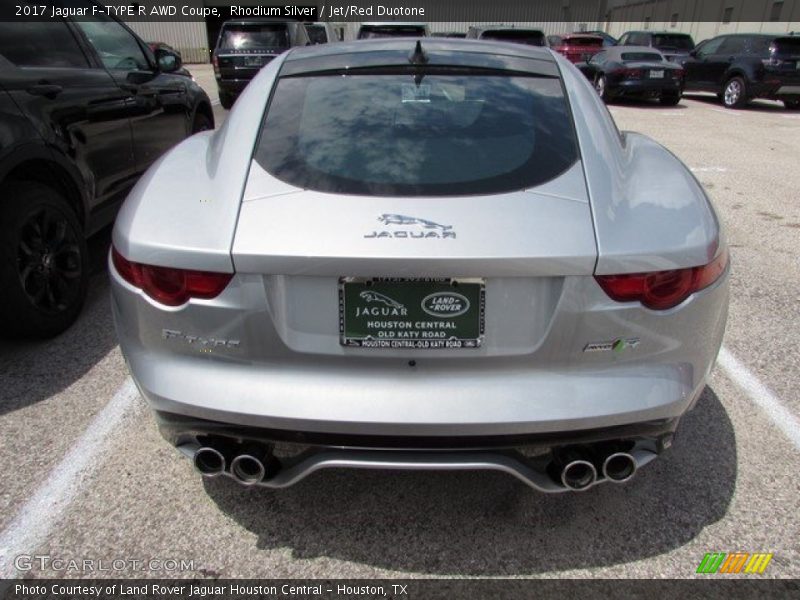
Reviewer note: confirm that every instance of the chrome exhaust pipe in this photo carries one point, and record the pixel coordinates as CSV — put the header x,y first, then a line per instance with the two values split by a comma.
x,y
619,467
248,469
209,462
579,475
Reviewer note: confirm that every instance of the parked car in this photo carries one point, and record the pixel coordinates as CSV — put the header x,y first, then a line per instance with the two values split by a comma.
x,y
516,35
674,46
741,67
321,33
577,47
156,46
608,40
245,46
85,109
368,31
354,291
634,71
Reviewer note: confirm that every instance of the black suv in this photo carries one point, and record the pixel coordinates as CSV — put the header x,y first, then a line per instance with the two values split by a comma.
x,y
243,47
744,66
85,108
674,46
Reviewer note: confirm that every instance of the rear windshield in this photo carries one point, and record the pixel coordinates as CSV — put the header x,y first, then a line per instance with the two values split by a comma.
x,y
394,134
317,34
641,56
789,46
249,36
583,41
673,41
378,31
518,36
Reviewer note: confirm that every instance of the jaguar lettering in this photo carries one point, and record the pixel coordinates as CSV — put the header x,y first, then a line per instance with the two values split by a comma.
x,y
413,227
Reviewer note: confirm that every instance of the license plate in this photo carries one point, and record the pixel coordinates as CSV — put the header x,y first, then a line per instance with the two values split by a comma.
x,y
411,313
253,61
657,74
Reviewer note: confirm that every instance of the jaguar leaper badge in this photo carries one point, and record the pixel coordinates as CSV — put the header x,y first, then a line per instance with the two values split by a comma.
x,y
403,226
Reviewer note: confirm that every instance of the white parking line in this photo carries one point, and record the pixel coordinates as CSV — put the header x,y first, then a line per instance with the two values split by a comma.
x,y
727,111
215,102
708,169
781,416
34,521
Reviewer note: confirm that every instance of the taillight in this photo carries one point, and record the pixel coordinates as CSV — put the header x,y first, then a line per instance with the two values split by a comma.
x,y
677,73
661,290
167,285
215,63
633,73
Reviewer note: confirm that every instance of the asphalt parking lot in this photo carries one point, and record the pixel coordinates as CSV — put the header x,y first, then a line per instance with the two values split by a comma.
x,y
86,475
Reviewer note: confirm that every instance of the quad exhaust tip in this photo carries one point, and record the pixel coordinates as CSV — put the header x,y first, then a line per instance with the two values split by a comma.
x,y
209,462
579,475
619,467
247,469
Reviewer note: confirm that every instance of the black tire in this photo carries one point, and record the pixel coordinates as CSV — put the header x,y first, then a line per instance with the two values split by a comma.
x,y
201,123
44,263
601,87
670,98
791,104
734,94
226,100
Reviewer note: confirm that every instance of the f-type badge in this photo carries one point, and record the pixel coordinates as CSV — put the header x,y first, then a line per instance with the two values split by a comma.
x,y
402,226
618,345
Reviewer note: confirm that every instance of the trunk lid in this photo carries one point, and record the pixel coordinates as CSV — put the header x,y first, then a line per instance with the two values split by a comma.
x,y
542,231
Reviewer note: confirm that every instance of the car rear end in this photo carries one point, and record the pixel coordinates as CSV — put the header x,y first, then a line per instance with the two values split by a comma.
x,y
243,48
780,79
393,307
529,37
645,74
579,48
371,31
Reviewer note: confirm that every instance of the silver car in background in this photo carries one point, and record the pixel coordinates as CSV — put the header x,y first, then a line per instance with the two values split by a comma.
x,y
420,254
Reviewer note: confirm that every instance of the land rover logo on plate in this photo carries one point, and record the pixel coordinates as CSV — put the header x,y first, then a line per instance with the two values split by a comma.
x,y
445,304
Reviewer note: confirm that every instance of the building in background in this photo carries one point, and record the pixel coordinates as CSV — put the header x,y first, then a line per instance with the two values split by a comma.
x,y
700,18
703,19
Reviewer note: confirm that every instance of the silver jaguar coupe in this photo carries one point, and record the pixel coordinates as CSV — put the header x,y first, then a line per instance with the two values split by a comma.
x,y
435,254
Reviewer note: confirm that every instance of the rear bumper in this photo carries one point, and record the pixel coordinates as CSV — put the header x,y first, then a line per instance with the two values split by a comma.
x,y
776,87
232,86
180,430
342,402
645,87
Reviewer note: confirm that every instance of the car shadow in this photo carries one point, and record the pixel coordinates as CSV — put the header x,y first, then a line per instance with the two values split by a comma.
x,y
33,371
484,524
652,103
757,105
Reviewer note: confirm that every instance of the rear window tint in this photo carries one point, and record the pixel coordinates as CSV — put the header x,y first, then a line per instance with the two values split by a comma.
x,y
250,36
788,46
672,41
390,134
641,56
518,36
583,41
368,32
